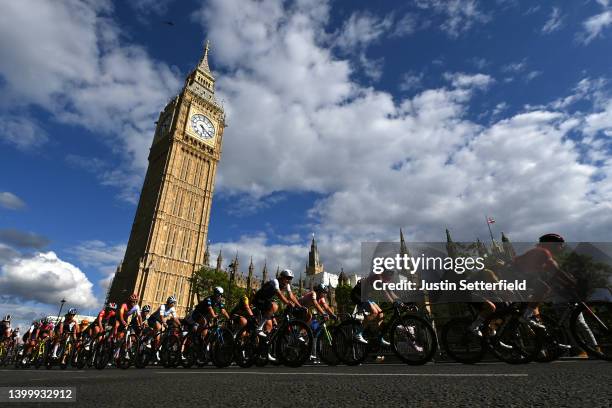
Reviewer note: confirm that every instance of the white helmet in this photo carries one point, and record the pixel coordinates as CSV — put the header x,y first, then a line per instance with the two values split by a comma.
x,y
286,273
218,290
171,299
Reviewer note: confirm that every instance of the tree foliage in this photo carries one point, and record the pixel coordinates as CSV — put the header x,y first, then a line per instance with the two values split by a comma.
x,y
343,298
207,278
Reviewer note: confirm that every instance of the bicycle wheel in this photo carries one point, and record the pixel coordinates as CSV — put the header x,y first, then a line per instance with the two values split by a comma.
x,y
413,339
348,350
294,343
246,347
82,356
325,346
144,353
128,352
171,351
555,342
102,354
510,339
461,344
591,326
190,355
222,348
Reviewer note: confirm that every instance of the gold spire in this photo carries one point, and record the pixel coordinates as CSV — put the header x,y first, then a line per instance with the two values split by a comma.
x,y
203,65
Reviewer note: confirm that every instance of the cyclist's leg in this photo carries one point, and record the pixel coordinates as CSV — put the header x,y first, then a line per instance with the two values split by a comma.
x,y
486,309
586,331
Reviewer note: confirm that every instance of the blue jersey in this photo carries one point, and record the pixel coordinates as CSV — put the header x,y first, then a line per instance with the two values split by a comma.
x,y
202,307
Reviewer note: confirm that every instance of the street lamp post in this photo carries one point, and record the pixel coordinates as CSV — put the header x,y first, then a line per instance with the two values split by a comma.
x,y
60,310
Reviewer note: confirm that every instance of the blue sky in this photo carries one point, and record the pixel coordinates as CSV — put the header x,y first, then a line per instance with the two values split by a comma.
x,y
348,118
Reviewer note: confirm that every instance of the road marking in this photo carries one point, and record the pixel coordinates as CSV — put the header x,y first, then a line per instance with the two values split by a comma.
x,y
214,372
18,370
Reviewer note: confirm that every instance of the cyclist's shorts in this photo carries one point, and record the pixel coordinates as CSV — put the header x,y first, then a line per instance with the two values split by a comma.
x,y
152,321
263,304
367,305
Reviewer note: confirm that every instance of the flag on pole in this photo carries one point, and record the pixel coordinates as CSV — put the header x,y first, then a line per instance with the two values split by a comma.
x,y
490,220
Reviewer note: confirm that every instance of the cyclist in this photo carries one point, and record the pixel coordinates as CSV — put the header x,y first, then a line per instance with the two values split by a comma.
x,y
263,299
316,300
127,310
38,331
372,311
164,316
540,264
204,311
5,327
83,326
242,312
15,337
68,326
139,321
104,318
29,337
46,328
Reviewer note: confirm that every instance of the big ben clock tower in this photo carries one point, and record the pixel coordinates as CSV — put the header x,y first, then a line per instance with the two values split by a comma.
x,y
168,238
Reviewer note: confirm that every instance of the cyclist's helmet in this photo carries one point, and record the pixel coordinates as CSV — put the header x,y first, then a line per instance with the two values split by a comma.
x,y
73,311
286,273
44,320
84,322
7,318
551,238
218,291
321,288
171,300
146,308
111,306
133,298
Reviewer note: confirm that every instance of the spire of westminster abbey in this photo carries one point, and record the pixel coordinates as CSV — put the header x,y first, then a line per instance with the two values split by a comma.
x,y
168,240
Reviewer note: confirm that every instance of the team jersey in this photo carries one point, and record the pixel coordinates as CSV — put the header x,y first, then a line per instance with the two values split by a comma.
x,y
202,307
540,263
537,261
29,334
106,316
69,326
134,321
268,289
241,306
4,326
45,328
311,297
163,311
133,311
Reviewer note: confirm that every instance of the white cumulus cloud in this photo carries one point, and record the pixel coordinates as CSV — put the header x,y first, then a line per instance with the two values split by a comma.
x,y
45,278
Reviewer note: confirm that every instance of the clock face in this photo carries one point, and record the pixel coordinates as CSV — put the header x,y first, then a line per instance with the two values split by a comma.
x,y
202,126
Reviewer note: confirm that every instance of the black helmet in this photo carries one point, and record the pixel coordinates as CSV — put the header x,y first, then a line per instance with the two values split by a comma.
x,y
322,288
551,238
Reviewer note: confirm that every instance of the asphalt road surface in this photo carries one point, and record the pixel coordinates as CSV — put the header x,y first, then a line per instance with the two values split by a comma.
x,y
569,383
